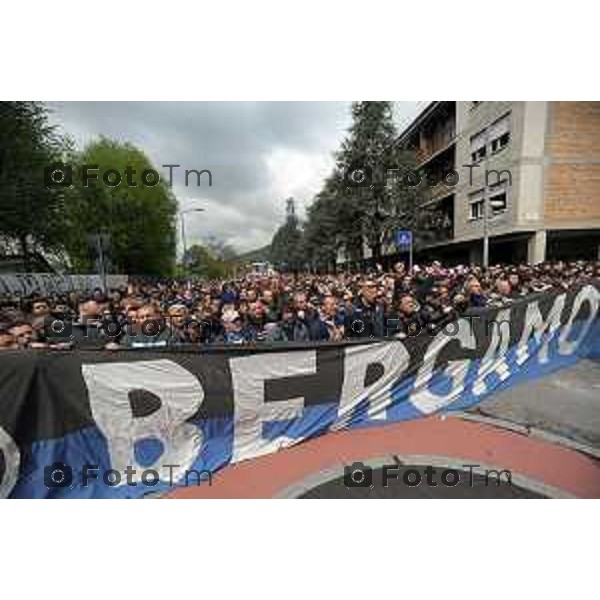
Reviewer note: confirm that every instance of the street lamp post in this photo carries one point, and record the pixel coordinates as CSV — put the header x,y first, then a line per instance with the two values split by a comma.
x,y
486,233
100,241
183,241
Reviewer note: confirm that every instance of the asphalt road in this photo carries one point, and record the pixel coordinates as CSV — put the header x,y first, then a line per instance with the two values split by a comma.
x,y
565,404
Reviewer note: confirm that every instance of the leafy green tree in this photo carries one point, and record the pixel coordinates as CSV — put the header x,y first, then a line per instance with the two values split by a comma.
x,y
351,210
31,214
287,246
323,232
367,148
201,262
139,220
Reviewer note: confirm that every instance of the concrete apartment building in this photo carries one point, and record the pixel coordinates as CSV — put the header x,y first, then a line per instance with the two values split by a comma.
x,y
543,183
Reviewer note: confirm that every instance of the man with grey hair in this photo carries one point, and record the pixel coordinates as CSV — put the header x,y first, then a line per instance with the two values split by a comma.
x,y
367,318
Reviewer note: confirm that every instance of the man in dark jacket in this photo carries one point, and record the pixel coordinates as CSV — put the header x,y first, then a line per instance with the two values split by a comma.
x,y
410,319
299,323
366,318
307,325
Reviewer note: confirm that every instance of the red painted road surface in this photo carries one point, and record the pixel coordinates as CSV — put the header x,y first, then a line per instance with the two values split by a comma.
x,y
461,441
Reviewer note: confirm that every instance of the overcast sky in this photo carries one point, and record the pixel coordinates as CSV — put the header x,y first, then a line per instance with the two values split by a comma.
x,y
259,154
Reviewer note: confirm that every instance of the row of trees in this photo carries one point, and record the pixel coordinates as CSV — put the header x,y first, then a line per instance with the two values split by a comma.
x,y
40,218
362,201
214,259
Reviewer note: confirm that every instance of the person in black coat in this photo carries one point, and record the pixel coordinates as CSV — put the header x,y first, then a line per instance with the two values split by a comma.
x,y
366,319
410,319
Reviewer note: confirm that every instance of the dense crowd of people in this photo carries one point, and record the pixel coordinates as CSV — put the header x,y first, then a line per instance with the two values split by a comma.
x,y
276,307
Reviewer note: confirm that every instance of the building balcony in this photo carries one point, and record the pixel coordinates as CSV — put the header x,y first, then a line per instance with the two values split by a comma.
x,y
432,151
435,220
433,194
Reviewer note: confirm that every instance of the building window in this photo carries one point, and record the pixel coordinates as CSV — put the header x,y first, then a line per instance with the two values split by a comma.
x,y
478,155
498,197
477,145
476,210
499,134
500,143
498,203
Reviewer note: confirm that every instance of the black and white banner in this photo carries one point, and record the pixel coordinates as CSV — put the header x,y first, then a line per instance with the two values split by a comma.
x,y
148,418
50,283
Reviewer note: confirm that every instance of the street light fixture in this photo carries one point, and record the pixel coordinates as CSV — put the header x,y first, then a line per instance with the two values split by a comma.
x,y
486,233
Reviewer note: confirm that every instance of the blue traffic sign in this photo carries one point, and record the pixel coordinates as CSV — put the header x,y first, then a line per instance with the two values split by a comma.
x,y
403,237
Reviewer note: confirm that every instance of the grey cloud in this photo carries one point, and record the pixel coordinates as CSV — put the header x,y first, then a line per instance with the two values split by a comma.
x,y
240,142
